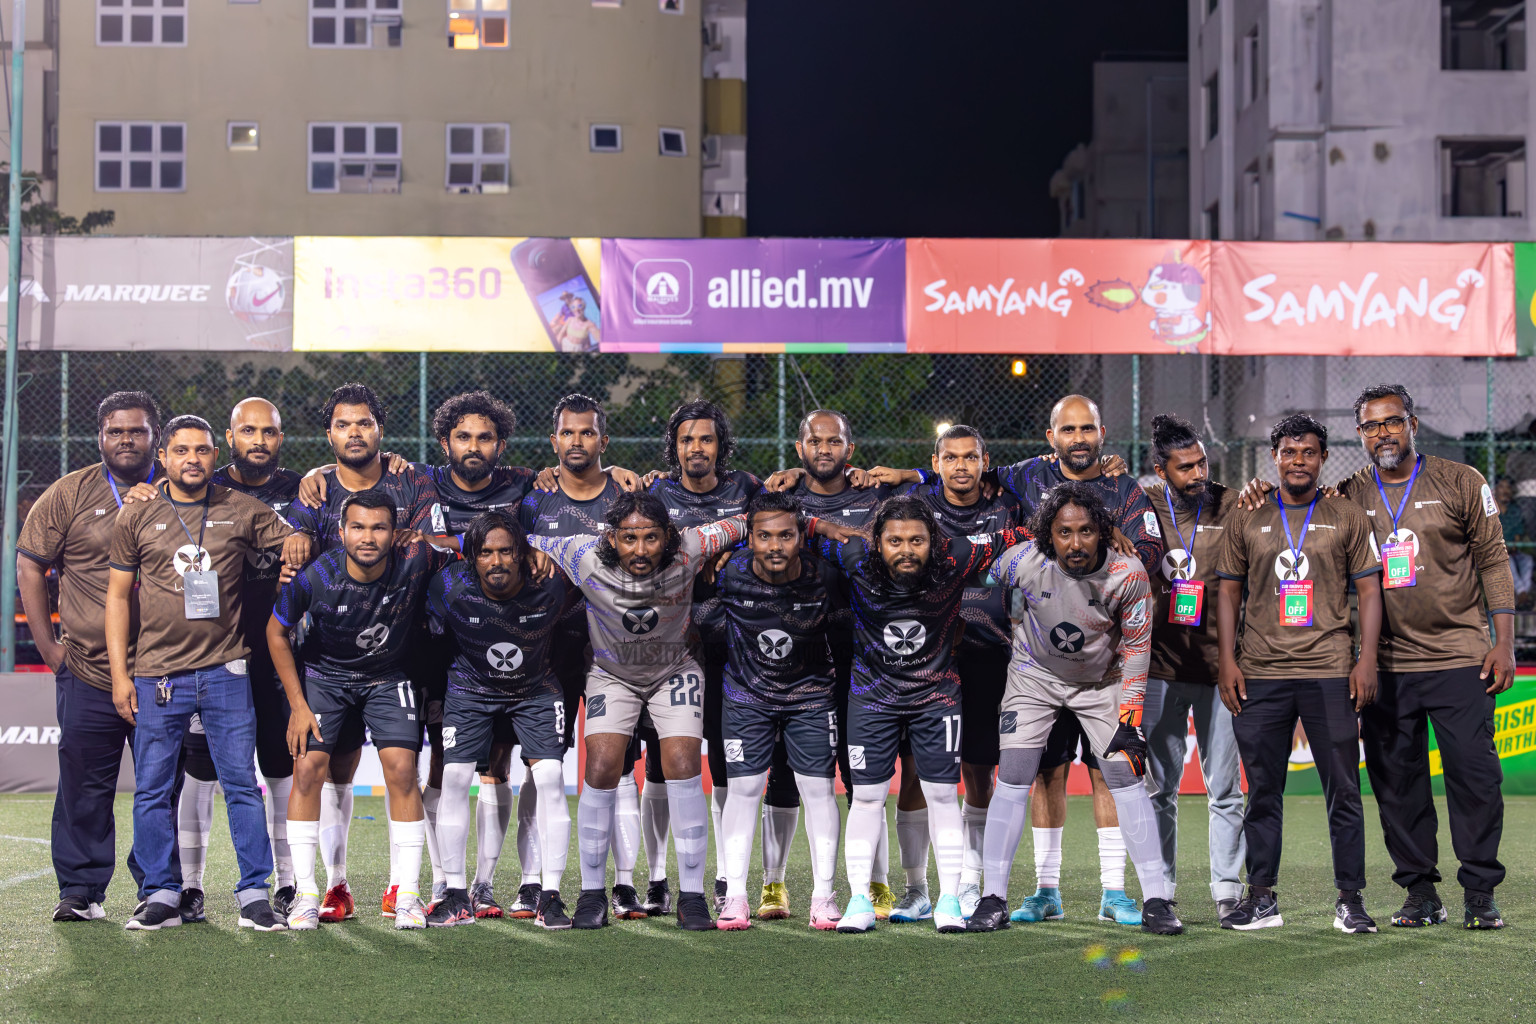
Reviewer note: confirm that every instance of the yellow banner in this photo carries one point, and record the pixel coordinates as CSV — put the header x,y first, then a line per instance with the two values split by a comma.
x,y
447,294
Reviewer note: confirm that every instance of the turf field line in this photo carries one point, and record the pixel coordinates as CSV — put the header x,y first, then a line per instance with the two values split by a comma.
x,y
19,879
28,839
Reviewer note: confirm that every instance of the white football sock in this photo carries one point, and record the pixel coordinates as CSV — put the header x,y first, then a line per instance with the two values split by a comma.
x,y
594,819
394,855
493,811
429,798
881,869
452,822
407,838
625,839
1138,823
822,825
946,832
912,841
973,821
1111,858
690,830
303,837
779,825
866,819
554,820
335,824
1006,815
1047,858
655,825
194,820
717,797
278,791
530,854
739,825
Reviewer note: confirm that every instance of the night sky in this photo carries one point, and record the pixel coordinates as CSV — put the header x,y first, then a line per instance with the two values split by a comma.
x,y
900,117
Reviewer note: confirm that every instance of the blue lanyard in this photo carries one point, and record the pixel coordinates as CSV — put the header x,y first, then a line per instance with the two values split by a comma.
x,y
113,483
197,545
1174,519
1402,506
1295,547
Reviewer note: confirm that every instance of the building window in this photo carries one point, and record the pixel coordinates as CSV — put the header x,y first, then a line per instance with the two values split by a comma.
x,y
1253,197
1212,97
244,135
356,23
1213,221
477,157
1482,177
1482,35
141,22
476,23
673,142
354,157
1251,66
141,156
607,138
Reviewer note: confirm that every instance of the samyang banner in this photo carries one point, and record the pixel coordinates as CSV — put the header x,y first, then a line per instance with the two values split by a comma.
x,y
753,295
1058,295
1364,299
155,294
447,294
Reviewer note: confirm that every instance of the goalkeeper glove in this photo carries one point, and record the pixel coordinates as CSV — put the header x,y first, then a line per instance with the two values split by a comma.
x,y
1129,742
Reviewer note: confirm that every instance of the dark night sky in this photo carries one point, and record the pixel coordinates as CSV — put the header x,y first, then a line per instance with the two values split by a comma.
x,y
912,117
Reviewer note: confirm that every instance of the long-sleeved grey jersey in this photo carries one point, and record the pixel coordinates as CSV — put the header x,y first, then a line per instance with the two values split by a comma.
x,y
1080,629
639,624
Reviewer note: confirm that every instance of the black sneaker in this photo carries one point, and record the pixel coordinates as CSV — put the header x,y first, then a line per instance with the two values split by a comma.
x,y
1349,914
1224,910
626,903
552,913
720,889
1421,908
258,915
140,907
453,909
591,909
658,899
1254,911
527,903
78,908
693,912
282,901
153,917
1481,912
990,915
192,906
1157,917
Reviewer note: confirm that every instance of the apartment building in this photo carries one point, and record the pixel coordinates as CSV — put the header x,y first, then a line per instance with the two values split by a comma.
x,y
724,153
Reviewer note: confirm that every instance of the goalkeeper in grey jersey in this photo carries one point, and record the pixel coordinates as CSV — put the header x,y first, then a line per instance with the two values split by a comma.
x,y
1084,644
638,580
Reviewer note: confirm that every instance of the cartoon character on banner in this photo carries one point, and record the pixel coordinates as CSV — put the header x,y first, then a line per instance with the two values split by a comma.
x,y
1175,292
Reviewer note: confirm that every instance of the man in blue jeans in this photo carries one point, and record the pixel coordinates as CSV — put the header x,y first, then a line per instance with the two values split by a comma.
x,y
188,552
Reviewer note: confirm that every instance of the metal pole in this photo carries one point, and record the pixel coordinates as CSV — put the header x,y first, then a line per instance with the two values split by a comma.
x,y
63,413
783,433
1489,389
421,407
12,345
1135,416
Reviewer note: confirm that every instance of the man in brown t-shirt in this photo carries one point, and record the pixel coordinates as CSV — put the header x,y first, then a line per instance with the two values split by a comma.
x,y
1297,556
70,529
1435,525
189,554
1192,514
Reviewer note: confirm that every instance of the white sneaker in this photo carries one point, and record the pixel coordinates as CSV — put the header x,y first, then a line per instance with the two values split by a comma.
x,y
409,913
947,916
304,915
914,906
859,917
970,895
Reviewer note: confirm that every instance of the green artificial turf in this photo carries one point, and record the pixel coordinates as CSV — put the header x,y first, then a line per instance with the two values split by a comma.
x,y
1079,969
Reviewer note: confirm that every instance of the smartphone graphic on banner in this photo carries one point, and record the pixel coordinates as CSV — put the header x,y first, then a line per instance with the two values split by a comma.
x,y
556,280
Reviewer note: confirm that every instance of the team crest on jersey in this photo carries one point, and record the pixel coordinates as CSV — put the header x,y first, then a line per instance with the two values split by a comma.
x,y
261,561
640,621
905,636
1178,564
1290,566
597,706
775,644
186,556
1008,723
504,657
372,638
450,737
734,751
856,758
1067,638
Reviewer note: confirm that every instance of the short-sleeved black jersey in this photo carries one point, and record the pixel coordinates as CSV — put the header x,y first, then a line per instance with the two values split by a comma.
x,y
984,609
729,497
508,486
854,509
262,568
1127,503
777,635
500,649
414,494
557,514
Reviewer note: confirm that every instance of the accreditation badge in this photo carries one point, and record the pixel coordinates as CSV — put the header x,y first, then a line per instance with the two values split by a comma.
x,y
200,593
1296,603
1397,565
1188,602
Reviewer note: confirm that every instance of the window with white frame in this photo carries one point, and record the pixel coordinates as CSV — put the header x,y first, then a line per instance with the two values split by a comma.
x,y
672,142
141,156
244,135
477,157
141,22
356,23
606,138
476,23
354,157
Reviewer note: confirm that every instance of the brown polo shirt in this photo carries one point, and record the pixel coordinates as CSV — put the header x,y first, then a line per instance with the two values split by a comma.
x,y
1188,654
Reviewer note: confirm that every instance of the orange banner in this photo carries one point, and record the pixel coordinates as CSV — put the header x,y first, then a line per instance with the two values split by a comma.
x,y
1062,295
1364,299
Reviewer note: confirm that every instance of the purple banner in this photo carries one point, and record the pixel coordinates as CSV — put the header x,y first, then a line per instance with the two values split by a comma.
x,y
754,295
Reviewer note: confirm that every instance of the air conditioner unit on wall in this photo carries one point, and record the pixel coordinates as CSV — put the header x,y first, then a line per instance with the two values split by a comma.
x,y
714,37
713,156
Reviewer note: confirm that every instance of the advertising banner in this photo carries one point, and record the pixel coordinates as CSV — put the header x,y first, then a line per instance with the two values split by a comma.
x,y
1364,299
1525,297
1066,295
155,294
754,295
29,736
447,294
